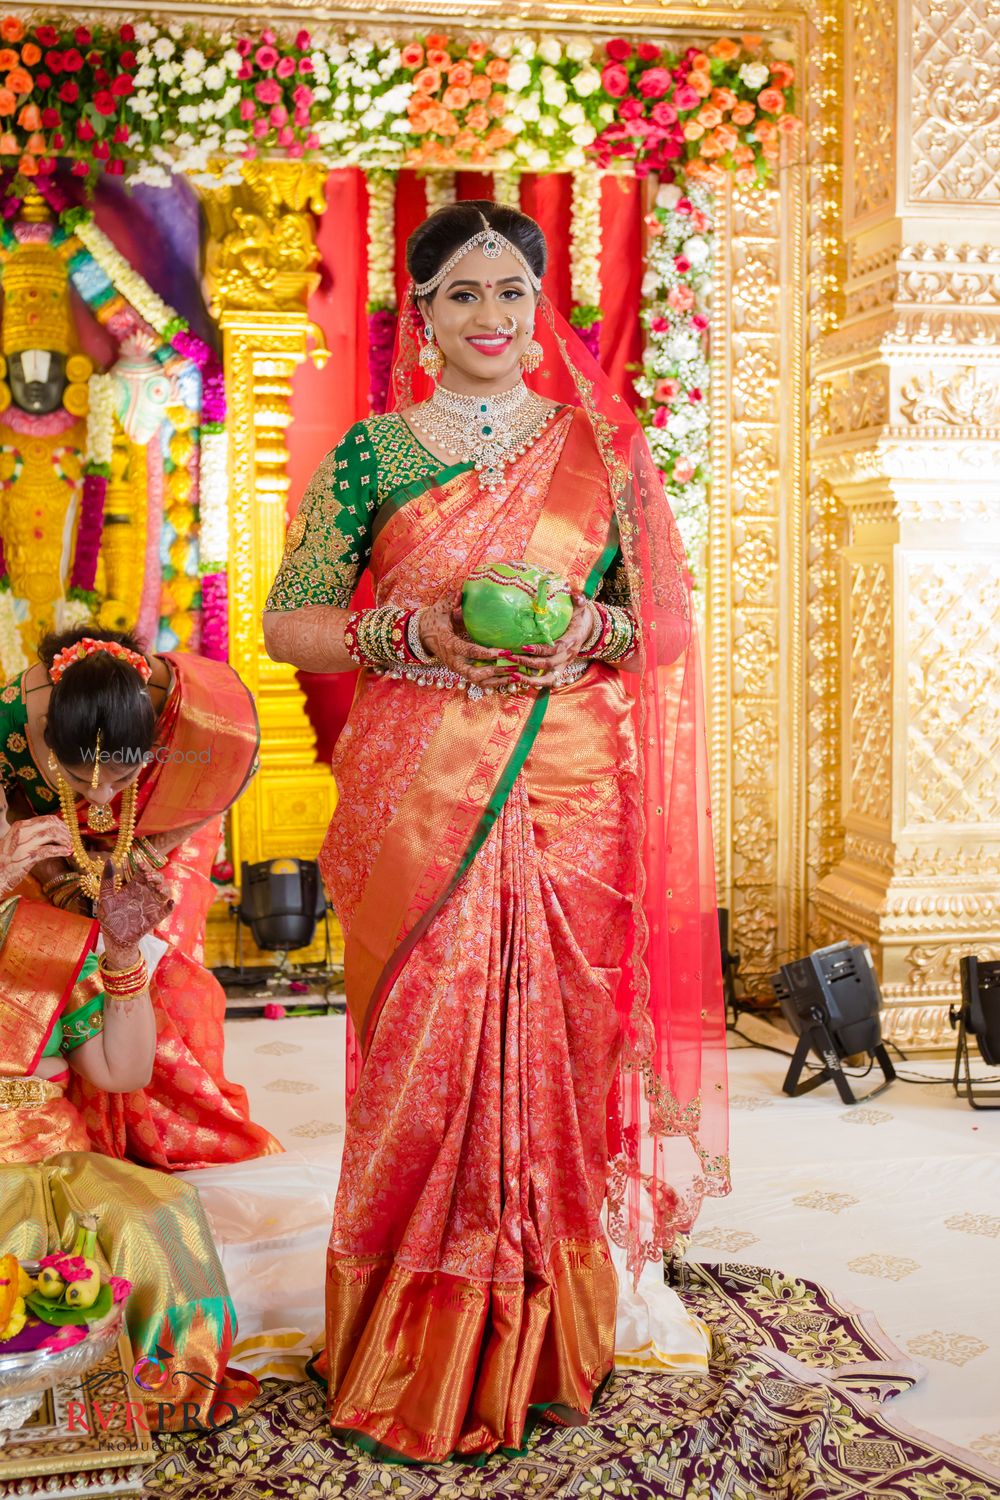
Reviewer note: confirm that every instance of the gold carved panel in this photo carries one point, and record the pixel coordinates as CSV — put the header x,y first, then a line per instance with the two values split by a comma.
x,y
871,50
867,702
955,102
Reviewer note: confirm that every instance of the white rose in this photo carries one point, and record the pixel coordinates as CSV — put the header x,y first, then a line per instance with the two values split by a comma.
x,y
503,46
519,77
574,114
782,50
574,158
524,46
556,94
539,160
579,50
372,118
586,82
548,125
697,250
755,74
606,112
650,282
668,196
193,60
583,135
513,124
549,50
527,108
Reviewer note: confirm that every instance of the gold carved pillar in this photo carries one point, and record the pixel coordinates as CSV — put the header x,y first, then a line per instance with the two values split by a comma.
x,y
260,270
911,392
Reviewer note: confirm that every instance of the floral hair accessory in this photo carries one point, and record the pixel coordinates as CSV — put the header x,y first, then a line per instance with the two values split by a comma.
x,y
89,647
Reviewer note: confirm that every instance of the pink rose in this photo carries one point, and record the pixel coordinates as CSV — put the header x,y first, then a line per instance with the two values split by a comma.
x,y
664,115
279,115
302,94
312,141
286,136
303,41
699,322
695,395
273,1012
654,83
268,37
665,390
618,49
261,128
301,116
244,46
305,65
659,325
684,470
247,109
660,417
683,206
685,97
268,91
246,70
631,109
296,149
699,221
681,264
614,80
286,67
680,298
265,57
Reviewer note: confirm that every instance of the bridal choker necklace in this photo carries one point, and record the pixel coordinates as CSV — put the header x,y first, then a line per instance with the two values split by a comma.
x,y
487,431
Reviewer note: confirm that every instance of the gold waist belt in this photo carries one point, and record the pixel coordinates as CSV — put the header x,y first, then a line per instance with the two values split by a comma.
x,y
27,1093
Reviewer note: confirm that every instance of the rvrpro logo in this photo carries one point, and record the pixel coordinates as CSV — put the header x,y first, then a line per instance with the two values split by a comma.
x,y
155,1376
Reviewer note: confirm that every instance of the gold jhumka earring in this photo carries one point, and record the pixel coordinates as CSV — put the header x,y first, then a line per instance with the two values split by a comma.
x,y
431,358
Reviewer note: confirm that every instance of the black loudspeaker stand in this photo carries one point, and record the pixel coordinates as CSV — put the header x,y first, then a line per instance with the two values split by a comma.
x,y
818,1039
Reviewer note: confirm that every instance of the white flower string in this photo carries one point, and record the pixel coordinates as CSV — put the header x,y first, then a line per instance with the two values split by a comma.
x,y
381,240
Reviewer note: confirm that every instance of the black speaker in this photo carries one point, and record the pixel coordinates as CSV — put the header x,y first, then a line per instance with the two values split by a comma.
x,y
831,1000
979,1015
281,900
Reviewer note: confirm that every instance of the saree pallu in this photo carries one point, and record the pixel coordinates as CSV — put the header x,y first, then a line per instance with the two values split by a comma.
x,y
152,1229
469,1278
189,1115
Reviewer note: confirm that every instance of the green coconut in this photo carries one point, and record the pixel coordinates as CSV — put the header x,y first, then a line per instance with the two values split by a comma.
x,y
511,605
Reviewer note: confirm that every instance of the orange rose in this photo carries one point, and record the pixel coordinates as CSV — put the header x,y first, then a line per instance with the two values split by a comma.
x,y
498,138
789,124
465,140
711,146
700,82
476,51
437,40
478,152
743,155
497,105
30,117
771,150
745,175
460,75
28,166
30,54
427,81
744,113
724,99
412,55
9,144
455,98
782,76
709,116
497,68
480,87
772,101
8,59
447,125
36,143
436,58
478,118
8,102
727,137
19,81
725,49
700,63
765,130
751,41
420,123
693,131
11,29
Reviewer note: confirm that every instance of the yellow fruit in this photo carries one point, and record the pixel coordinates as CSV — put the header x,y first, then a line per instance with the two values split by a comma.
x,y
84,1292
50,1283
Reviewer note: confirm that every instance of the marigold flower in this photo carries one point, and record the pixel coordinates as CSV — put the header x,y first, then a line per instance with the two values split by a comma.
x,y
772,101
30,54
412,55
497,68
19,81
725,49
12,28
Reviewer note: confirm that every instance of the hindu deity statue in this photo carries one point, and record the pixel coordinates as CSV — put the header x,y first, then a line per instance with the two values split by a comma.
x,y
43,394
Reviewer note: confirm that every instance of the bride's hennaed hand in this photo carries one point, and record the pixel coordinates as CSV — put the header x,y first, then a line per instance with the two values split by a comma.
x,y
552,659
27,844
441,635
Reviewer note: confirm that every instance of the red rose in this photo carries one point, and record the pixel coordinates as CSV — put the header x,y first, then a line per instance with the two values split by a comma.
x,y
43,81
660,417
648,51
122,86
303,41
72,61
85,131
121,134
79,169
682,264
116,168
684,206
244,46
55,61
104,102
631,109
69,93
47,35
94,58
127,61
101,151
101,78
127,33
50,119
82,37
654,83
614,81
618,49
58,140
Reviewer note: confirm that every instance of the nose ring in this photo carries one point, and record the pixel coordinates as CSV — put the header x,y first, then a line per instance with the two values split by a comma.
x,y
511,330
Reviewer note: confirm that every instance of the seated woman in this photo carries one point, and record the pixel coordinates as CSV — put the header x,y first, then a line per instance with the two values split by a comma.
x,y
64,1010
143,755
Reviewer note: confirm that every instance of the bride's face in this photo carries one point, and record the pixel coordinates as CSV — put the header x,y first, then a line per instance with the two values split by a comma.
x,y
483,317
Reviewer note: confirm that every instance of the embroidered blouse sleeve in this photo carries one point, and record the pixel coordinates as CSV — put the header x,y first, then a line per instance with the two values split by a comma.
x,y
329,540
11,727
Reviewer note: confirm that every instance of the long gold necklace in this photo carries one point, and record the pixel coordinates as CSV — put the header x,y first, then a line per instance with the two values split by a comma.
x,y
91,867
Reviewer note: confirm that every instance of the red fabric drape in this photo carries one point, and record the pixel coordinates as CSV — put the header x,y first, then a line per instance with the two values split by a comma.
x,y
325,403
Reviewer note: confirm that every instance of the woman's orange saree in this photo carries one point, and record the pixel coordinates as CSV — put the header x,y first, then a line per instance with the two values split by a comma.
x,y
483,861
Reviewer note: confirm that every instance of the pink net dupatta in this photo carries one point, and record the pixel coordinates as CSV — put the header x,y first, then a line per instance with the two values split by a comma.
x,y
668,1113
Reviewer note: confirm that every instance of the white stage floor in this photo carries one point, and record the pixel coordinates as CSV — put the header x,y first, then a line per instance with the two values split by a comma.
x,y
893,1205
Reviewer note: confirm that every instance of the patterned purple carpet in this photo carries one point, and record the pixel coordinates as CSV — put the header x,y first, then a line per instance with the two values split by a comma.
x,y
792,1409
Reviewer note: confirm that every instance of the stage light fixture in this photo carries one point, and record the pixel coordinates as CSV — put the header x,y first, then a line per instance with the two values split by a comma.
x,y
281,900
831,1000
978,1015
